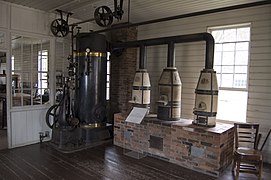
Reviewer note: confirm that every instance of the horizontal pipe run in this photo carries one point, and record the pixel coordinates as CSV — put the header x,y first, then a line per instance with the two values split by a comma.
x,y
211,11
207,37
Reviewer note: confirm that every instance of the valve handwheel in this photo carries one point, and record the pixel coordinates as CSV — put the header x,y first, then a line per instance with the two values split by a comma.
x,y
103,16
59,28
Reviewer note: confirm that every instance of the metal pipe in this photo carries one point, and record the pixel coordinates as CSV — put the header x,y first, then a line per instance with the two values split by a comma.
x,y
171,55
207,37
142,58
81,22
211,11
72,43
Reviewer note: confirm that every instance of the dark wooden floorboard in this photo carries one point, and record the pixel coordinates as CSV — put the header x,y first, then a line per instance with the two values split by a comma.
x,y
106,162
45,165
151,166
7,172
20,168
56,165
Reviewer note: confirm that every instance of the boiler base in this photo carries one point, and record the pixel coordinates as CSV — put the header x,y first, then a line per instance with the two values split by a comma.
x,y
68,140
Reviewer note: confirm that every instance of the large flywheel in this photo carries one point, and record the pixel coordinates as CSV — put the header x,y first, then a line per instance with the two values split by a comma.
x,y
59,28
103,16
52,116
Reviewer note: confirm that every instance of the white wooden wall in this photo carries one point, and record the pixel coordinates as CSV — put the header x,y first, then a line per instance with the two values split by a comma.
x,y
26,126
63,50
3,15
190,60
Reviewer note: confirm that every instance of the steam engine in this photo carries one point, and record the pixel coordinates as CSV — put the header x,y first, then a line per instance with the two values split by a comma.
x,y
79,120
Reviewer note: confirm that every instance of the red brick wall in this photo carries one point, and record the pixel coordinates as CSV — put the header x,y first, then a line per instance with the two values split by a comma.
x,y
123,69
207,150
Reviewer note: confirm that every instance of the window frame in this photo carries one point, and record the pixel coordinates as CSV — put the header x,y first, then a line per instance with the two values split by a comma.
x,y
26,97
40,70
108,76
234,89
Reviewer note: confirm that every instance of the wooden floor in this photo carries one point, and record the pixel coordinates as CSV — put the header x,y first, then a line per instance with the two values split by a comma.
x,y
3,139
103,162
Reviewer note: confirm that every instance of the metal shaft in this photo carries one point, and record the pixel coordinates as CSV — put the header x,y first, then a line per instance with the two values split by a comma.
x,y
81,22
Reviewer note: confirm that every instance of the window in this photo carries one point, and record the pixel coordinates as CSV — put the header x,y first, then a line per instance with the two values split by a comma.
x,y
42,71
108,76
12,64
231,65
29,68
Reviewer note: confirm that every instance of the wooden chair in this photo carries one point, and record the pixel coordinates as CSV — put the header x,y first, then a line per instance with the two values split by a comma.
x,y
247,158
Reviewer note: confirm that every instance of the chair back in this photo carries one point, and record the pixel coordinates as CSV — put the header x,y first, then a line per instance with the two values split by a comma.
x,y
246,135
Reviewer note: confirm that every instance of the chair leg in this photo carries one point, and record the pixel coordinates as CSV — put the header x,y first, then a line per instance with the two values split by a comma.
x,y
233,164
260,169
237,170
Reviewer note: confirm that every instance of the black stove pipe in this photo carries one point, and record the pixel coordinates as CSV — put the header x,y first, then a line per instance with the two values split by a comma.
x,y
171,55
207,37
142,57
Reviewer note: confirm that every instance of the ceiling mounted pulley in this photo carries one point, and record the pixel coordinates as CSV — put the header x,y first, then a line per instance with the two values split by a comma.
x,y
103,16
60,27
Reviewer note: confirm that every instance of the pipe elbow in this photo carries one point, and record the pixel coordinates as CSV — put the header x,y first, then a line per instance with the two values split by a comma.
x,y
210,48
208,37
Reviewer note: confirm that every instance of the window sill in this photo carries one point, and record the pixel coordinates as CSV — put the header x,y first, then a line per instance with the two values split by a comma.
x,y
228,121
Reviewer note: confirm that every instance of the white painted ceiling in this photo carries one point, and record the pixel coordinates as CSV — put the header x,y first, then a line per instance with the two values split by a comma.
x,y
140,10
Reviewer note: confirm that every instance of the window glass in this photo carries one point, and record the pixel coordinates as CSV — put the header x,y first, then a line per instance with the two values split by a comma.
x,y
229,47
218,58
243,34
226,80
108,76
228,58
230,105
229,35
227,69
241,58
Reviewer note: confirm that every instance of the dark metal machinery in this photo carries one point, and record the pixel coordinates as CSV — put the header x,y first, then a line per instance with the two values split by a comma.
x,y
90,101
79,120
103,16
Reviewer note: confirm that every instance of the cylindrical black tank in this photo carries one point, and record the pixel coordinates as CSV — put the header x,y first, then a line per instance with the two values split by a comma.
x,y
90,101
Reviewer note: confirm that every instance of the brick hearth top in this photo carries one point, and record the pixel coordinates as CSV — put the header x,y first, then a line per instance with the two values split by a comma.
x,y
186,124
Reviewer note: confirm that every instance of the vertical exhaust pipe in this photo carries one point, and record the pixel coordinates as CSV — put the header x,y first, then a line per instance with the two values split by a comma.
x,y
206,92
